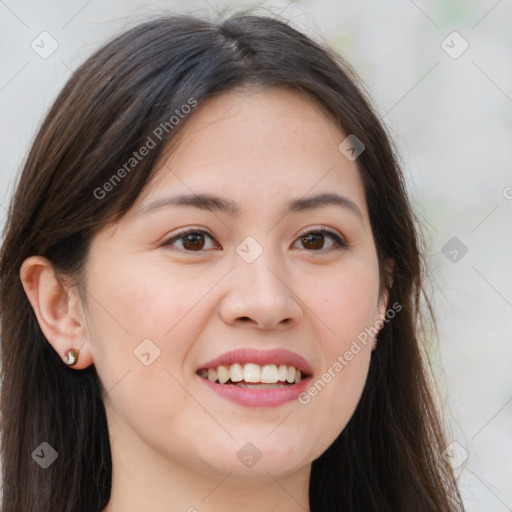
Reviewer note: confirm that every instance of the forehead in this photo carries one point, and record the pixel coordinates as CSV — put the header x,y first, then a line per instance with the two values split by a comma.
x,y
258,146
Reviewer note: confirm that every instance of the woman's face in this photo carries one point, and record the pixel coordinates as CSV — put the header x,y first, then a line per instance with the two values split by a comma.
x,y
257,277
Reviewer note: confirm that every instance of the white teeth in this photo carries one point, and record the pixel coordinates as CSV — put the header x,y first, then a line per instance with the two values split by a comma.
x,y
269,374
236,372
253,373
212,374
283,372
259,386
223,372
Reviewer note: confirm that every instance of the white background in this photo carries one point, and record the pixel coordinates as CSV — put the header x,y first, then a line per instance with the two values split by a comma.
x,y
452,121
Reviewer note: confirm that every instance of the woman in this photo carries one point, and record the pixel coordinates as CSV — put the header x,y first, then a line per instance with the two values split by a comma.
x,y
210,286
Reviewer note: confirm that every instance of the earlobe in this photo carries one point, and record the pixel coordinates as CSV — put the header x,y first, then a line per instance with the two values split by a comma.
x,y
380,316
57,310
383,305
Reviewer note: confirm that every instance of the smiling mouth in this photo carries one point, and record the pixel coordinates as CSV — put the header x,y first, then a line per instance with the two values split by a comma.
x,y
255,376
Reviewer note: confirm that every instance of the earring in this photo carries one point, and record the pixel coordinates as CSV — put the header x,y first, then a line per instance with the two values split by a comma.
x,y
71,356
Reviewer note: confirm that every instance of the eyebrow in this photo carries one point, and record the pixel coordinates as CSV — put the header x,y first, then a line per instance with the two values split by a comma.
x,y
214,203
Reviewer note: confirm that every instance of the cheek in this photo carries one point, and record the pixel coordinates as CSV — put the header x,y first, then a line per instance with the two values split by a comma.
x,y
133,302
141,325
347,308
346,304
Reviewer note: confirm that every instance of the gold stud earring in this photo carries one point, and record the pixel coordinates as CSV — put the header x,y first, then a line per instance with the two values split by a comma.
x,y
71,356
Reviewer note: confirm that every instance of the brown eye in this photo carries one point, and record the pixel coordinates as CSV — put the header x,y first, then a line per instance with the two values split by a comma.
x,y
314,240
192,240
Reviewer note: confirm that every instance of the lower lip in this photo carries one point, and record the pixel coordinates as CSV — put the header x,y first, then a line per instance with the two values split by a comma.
x,y
258,397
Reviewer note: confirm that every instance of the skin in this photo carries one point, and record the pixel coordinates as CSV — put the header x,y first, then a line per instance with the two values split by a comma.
x,y
175,442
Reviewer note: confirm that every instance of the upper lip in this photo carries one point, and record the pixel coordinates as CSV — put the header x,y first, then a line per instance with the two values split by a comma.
x,y
261,357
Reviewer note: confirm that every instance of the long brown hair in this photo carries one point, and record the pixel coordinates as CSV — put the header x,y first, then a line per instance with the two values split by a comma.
x,y
388,456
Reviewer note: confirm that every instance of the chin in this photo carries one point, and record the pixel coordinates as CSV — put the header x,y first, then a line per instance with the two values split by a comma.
x,y
257,458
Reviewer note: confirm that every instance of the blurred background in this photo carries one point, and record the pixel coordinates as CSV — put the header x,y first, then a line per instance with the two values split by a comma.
x,y
440,75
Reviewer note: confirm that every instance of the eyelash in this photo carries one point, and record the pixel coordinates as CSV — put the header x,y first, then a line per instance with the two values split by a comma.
x,y
339,242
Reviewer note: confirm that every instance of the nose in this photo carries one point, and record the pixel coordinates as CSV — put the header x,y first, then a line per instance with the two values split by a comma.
x,y
261,294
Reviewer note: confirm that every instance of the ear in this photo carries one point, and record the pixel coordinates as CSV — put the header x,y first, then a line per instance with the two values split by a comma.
x,y
380,315
58,309
382,306
380,312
